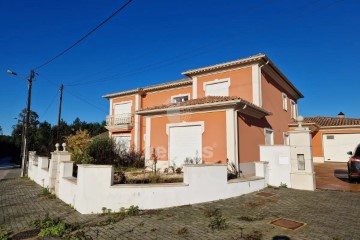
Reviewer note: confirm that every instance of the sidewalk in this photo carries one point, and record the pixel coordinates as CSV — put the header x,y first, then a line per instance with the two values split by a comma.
x,y
326,214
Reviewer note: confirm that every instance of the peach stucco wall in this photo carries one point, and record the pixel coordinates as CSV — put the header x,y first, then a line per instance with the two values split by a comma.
x,y
163,97
272,101
317,146
240,82
251,136
213,138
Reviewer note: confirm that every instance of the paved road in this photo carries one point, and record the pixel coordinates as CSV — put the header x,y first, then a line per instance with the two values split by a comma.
x,y
333,176
326,214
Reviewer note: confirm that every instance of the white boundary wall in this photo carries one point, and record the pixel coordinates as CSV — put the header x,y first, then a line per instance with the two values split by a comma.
x,y
93,189
278,164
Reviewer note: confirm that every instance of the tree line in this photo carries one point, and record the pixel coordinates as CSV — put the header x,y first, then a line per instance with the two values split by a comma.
x,y
42,136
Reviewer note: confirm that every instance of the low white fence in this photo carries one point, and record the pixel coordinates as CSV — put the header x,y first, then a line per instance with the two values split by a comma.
x,y
93,188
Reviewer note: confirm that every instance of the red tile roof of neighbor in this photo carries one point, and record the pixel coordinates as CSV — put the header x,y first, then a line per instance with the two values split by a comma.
x,y
204,100
332,121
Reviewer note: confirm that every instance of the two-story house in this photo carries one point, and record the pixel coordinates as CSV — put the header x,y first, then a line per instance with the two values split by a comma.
x,y
217,114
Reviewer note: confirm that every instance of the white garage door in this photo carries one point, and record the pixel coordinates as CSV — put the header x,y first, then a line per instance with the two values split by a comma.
x,y
336,146
185,141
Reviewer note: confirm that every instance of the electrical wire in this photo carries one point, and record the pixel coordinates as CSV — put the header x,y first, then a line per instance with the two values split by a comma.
x,y
84,37
50,104
192,53
81,98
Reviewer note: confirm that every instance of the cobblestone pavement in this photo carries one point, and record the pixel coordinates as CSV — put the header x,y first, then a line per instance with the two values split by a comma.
x,y
327,214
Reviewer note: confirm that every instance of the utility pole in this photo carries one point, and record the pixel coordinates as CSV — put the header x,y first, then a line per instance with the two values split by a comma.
x,y
25,156
59,114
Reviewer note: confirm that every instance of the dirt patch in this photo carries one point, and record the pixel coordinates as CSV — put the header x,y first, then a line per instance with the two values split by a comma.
x,y
287,223
259,202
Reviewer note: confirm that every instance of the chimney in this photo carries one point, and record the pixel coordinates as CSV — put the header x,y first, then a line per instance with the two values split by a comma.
x,y
341,115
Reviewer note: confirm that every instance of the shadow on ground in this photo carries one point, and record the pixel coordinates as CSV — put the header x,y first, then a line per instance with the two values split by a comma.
x,y
342,174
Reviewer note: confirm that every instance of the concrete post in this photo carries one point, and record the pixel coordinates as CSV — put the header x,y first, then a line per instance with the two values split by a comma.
x,y
54,169
302,175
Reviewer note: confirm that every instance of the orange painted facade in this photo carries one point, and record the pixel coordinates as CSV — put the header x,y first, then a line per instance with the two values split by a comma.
x,y
231,131
240,82
213,138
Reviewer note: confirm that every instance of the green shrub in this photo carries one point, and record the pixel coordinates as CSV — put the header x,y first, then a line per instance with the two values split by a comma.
x,y
102,151
133,210
217,223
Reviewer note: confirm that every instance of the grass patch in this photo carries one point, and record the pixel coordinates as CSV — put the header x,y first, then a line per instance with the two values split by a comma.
x,y
53,227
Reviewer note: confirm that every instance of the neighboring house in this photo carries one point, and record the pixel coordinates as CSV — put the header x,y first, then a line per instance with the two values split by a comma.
x,y
217,114
333,137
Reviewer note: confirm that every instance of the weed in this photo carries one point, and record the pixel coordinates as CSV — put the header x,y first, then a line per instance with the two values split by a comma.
x,y
45,192
217,223
5,234
52,227
182,230
250,218
133,210
212,212
283,185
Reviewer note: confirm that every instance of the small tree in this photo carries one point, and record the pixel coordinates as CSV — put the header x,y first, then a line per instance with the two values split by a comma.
x,y
154,157
78,146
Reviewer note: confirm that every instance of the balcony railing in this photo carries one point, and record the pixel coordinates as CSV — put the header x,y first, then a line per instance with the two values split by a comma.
x,y
120,121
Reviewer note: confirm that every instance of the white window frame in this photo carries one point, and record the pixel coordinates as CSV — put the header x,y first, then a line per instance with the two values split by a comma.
x,y
293,109
215,82
266,130
284,101
286,137
180,95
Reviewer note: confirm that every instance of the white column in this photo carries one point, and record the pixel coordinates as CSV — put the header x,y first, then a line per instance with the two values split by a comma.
x,y
231,136
194,88
302,169
137,123
256,85
148,137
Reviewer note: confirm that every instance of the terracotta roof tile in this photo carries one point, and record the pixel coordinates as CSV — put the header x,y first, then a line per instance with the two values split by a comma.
x,y
332,121
198,101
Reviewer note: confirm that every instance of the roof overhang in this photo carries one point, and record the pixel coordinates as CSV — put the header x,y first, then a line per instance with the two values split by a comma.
x,y
141,91
262,59
312,126
238,105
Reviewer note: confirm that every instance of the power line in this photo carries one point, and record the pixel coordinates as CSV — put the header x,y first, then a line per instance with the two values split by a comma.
x,y
86,101
197,51
85,36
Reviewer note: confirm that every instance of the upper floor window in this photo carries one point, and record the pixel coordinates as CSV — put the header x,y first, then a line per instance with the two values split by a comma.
x,y
122,108
217,87
293,109
285,101
180,98
269,136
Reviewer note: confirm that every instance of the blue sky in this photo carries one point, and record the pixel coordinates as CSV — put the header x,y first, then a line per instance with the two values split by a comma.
x,y
315,44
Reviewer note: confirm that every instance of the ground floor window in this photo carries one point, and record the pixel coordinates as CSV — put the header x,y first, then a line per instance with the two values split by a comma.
x,y
123,142
269,136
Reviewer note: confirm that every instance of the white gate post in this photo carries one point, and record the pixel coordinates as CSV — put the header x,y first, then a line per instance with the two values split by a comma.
x,y
302,174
